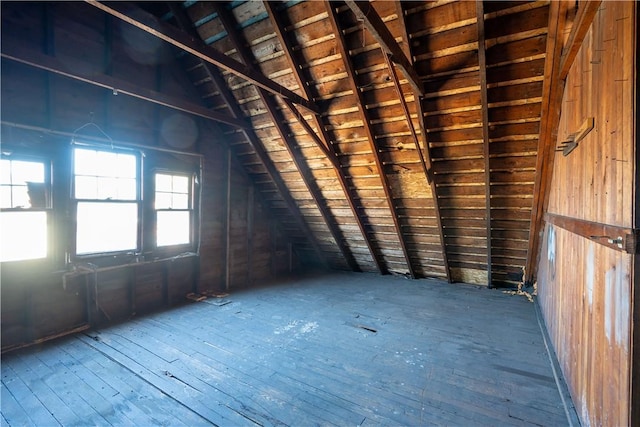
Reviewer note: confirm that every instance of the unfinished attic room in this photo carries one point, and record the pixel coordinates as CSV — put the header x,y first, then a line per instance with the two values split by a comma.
x,y
318,213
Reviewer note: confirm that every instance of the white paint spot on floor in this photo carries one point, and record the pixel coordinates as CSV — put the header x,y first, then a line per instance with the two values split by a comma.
x,y
286,328
308,327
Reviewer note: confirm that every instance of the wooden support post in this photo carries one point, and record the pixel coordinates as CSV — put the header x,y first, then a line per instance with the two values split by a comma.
x,y
333,19
133,278
227,222
250,232
634,351
482,62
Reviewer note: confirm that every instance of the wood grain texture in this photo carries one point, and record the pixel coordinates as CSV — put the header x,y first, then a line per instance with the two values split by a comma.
x,y
585,287
242,360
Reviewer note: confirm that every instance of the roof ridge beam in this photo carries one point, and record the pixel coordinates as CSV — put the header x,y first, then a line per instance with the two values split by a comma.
x,y
170,34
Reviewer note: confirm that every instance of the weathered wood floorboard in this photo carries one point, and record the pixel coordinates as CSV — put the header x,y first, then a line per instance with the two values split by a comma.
x,y
340,349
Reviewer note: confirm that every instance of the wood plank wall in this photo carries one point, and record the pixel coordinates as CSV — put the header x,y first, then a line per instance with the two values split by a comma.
x,y
38,301
584,287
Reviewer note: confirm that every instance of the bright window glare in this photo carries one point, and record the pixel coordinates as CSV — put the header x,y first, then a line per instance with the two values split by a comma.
x,y
23,172
106,227
173,228
23,235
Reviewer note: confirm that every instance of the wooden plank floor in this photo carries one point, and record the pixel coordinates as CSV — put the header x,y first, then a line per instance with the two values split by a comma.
x,y
340,349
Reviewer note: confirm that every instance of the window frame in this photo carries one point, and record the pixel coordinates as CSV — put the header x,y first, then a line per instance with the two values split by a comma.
x,y
48,207
75,202
180,247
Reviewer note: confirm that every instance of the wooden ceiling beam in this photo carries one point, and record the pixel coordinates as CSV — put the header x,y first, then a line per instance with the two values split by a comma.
x,y
406,49
239,43
348,63
426,159
425,163
195,46
216,76
321,123
581,24
482,62
552,90
71,69
365,12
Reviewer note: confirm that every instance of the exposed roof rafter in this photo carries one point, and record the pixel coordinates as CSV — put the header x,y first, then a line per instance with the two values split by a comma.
x,y
229,23
329,149
484,100
365,12
581,25
197,47
347,60
557,66
215,75
552,90
424,162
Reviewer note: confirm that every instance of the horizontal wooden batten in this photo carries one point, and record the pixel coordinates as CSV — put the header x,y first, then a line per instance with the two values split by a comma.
x,y
55,65
172,35
622,239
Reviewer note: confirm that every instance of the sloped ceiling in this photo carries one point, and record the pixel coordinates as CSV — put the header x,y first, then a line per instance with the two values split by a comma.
x,y
422,159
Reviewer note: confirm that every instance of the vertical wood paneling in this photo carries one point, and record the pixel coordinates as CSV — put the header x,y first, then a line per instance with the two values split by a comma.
x,y
585,287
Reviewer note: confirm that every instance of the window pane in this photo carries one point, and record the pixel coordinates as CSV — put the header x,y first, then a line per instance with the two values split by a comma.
x,y
163,182
107,164
107,188
106,227
21,197
173,228
180,201
86,187
127,189
24,235
126,166
85,162
5,197
180,184
5,171
163,200
23,172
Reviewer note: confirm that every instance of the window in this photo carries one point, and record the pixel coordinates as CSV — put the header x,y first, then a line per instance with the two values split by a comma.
x,y
173,204
107,192
24,192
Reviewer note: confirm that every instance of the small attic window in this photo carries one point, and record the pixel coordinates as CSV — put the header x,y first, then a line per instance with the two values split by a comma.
x,y
24,193
174,209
